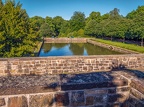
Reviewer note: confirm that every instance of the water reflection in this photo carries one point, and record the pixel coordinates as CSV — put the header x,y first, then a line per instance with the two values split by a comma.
x,y
65,49
77,49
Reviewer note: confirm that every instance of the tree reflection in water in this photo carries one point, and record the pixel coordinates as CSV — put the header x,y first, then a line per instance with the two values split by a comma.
x,y
66,49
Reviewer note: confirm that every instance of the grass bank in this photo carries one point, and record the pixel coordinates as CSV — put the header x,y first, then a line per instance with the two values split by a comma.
x,y
122,45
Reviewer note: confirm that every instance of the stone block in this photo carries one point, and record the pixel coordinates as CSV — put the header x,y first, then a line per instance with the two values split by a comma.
x,y
133,83
112,91
137,94
89,100
114,98
113,105
62,99
123,89
2,102
100,99
41,100
120,82
98,106
77,98
135,102
17,102
97,91
139,104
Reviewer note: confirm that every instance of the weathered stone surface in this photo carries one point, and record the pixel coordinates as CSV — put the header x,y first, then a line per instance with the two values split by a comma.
x,y
98,106
112,91
123,89
114,98
17,102
41,100
58,65
137,94
2,102
100,99
135,102
96,91
89,100
62,99
113,105
77,98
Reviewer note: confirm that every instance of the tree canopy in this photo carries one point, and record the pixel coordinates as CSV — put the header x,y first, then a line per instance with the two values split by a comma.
x,y
19,33
16,35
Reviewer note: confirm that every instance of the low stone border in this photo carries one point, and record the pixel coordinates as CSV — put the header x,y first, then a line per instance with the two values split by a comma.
x,y
114,48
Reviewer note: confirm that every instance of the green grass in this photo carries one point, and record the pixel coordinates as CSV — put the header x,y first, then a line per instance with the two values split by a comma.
x,y
122,45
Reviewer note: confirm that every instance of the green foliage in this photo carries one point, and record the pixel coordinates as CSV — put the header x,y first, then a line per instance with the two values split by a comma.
x,y
77,21
16,37
90,28
57,22
94,16
20,34
46,30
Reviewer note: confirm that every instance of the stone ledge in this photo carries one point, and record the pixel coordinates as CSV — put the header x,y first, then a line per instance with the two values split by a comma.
x,y
73,90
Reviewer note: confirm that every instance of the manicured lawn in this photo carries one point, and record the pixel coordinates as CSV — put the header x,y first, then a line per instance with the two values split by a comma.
x,y
122,45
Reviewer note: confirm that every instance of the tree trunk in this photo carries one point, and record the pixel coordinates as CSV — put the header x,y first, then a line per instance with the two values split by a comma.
x,y
111,38
142,42
124,40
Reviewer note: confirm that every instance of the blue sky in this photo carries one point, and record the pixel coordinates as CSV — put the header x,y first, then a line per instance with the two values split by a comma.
x,y
66,8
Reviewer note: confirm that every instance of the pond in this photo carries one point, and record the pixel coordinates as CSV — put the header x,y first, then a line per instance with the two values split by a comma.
x,y
70,49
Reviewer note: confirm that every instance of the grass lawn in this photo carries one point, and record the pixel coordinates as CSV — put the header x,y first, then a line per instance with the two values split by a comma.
x,y
122,45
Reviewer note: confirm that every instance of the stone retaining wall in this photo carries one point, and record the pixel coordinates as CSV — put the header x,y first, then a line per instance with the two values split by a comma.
x,y
136,79
114,48
107,93
65,40
85,98
87,40
126,90
74,64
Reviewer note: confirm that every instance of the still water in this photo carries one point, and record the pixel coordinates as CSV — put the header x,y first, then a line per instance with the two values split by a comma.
x,y
70,49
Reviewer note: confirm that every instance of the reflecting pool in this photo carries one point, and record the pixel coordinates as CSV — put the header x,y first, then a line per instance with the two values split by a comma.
x,y
70,49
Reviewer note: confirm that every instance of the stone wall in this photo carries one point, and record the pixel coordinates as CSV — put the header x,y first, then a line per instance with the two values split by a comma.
x,y
124,89
86,98
106,93
65,40
114,48
69,64
136,98
87,40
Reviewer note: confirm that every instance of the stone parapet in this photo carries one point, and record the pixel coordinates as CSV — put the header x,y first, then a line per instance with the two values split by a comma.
x,y
65,40
69,64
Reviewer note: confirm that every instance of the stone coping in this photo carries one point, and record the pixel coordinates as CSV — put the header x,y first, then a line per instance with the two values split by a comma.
x,y
71,57
26,84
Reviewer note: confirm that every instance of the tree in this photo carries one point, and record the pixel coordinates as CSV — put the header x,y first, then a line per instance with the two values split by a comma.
x,y
114,14
123,26
77,21
137,30
1,3
94,16
57,21
15,32
90,28
36,22
46,30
